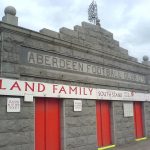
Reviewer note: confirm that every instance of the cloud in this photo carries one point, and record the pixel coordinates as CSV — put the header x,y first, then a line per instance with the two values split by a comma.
x,y
44,13
130,24
127,20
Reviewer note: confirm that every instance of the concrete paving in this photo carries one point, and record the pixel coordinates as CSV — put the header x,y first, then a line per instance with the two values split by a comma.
x,y
142,145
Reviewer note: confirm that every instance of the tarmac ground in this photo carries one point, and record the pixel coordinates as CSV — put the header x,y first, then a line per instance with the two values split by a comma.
x,y
141,145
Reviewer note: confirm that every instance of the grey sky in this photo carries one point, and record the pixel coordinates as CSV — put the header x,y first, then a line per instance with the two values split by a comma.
x,y
128,20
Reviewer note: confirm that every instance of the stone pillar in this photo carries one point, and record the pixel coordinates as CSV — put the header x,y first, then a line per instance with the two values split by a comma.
x,y
123,127
16,129
10,17
80,127
147,118
146,60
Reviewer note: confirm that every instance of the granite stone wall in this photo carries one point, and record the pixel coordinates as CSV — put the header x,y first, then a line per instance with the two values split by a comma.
x,y
106,52
16,129
80,127
147,118
89,44
123,126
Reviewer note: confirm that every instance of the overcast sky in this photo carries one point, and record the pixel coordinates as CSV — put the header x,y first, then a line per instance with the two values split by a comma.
x,y
128,20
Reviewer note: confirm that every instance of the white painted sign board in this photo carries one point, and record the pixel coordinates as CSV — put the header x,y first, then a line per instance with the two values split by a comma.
x,y
30,89
128,109
77,105
13,104
28,98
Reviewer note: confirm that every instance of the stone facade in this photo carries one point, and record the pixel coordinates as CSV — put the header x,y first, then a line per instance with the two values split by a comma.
x,y
88,44
16,129
123,126
147,118
80,129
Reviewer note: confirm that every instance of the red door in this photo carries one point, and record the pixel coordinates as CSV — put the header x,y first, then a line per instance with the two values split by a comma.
x,y
103,123
138,120
47,124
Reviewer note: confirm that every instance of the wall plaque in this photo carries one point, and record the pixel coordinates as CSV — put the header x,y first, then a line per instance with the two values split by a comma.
x,y
128,109
13,104
77,105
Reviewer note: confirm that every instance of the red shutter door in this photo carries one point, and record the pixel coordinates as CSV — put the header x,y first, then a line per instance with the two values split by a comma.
x,y
138,120
47,124
106,124
103,123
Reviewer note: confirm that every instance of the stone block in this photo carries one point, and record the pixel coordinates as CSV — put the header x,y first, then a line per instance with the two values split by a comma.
x,y
10,19
130,139
91,39
106,33
80,121
148,80
15,138
94,34
72,132
65,37
87,44
120,142
8,67
87,147
69,111
133,59
88,120
18,147
92,139
90,26
98,47
10,57
90,103
20,125
82,36
72,122
146,63
76,142
68,32
66,51
124,51
116,43
10,75
79,29
68,102
118,104
26,113
49,33
3,101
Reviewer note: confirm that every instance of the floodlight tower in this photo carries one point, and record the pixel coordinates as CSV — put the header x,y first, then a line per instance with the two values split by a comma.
x,y
93,14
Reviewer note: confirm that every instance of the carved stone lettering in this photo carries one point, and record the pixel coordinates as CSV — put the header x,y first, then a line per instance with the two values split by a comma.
x,y
79,66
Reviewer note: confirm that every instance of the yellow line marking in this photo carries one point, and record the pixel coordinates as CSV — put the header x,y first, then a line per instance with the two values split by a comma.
x,y
107,147
140,139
